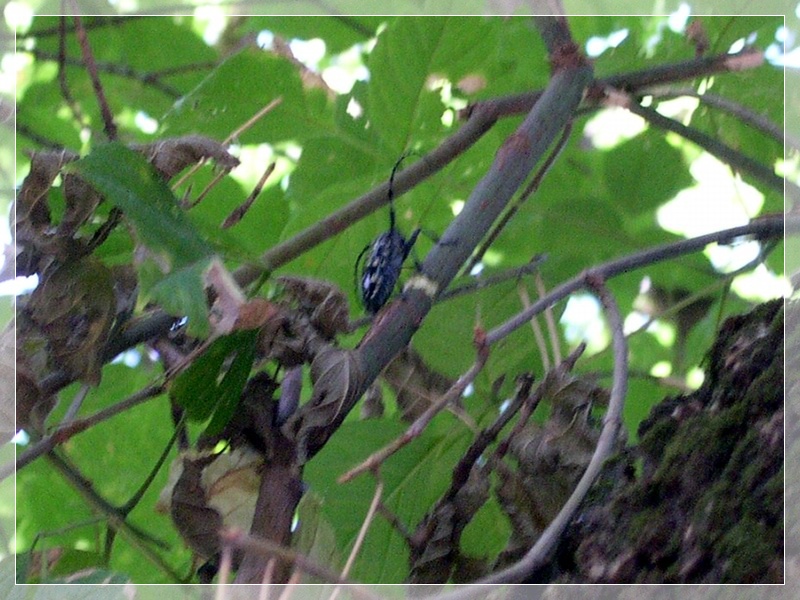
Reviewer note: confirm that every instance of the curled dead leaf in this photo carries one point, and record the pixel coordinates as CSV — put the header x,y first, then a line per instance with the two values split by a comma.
x,y
207,492
256,313
172,155
73,307
38,239
337,377
197,523
324,303
550,458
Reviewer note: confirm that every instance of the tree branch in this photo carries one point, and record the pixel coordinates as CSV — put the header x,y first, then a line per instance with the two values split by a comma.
x,y
763,228
741,112
153,79
68,430
737,160
631,82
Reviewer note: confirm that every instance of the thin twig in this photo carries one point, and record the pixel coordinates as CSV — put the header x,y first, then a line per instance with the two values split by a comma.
x,y
418,426
40,140
523,197
132,534
62,73
481,282
741,112
252,120
538,335
152,79
734,158
266,580
68,430
362,533
97,23
487,436
550,320
126,508
187,204
239,212
88,58
532,401
395,522
236,133
76,404
102,232
249,543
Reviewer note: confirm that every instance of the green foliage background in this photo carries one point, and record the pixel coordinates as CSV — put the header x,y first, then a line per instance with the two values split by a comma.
x,y
593,206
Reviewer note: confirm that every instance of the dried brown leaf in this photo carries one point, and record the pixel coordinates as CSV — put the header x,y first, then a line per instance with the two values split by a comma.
x,y
324,303
550,458
198,523
228,297
256,313
35,233
415,384
81,202
336,375
33,211
73,307
172,155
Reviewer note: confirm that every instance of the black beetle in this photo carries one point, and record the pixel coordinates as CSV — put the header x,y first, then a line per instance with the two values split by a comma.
x,y
388,252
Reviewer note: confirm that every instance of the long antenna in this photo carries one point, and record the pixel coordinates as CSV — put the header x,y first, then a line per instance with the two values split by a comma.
x,y
391,188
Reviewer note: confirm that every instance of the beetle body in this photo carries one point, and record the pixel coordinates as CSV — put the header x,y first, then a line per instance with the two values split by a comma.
x,y
382,268
388,252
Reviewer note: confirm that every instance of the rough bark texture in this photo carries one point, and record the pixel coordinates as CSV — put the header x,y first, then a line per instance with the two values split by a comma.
x,y
701,498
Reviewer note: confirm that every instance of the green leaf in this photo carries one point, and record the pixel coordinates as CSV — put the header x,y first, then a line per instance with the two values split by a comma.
x,y
174,246
337,33
404,108
129,182
212,385
182,293
487,534
644,172
236,90
414,479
